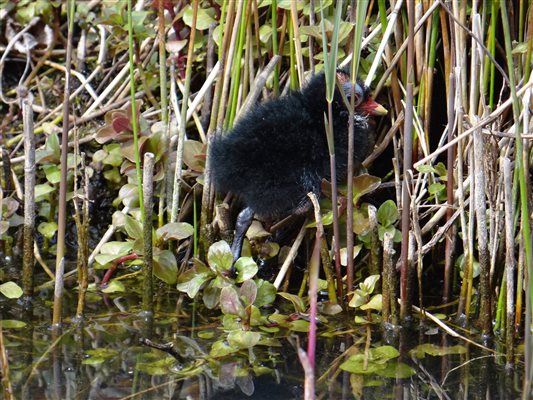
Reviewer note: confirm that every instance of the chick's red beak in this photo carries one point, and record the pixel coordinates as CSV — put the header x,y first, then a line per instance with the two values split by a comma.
x,y
372,107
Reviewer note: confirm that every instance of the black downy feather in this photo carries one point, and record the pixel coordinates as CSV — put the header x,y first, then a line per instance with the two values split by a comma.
x,y
278,152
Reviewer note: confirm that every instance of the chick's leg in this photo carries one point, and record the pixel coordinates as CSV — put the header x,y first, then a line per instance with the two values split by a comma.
x,y
244,220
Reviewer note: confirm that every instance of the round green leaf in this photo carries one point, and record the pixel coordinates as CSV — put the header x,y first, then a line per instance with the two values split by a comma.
x,y
11,290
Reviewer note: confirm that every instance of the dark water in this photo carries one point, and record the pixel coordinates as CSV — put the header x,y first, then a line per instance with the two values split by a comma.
x,y
103,358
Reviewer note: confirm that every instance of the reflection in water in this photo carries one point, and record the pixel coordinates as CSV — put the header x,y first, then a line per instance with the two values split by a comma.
x,y
104,359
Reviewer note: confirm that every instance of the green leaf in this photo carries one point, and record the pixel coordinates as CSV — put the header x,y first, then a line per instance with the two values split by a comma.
x,y
375,303
296,301
166,267
436,188
421,350
133,227
192,280
42,190
246,269
219,256
175,231
388,213
243,339
204,18
369,284
230,302
11,290
53,173
12,324
397,370
114,286
363,184
248,292
221,349
47,229
266,293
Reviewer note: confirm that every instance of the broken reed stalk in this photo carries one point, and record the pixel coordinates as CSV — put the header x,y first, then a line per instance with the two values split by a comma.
x,y
28,260
390,314
148,194
510,261
374,267
407,155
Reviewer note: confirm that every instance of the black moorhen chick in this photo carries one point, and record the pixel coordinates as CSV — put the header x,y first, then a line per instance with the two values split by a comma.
x,y
278,152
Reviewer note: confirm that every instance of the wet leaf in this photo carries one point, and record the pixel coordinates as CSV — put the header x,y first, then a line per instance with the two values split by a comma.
x,y
246,269
129,195
375,303
243,339
43,190
441,171
329,308
194,155
363,184
266,293
230,302
357,300
221,349
11,290
192,280
53,173
248,292
114,286
361,223
47,229
300,325
296,301
436,188
12,323
166,267
344,254
158,366
421,350
133,228
128,149
110,251
219,256
204,19
256,231
398,370
175,231
4,226
388,213
369,284
210,296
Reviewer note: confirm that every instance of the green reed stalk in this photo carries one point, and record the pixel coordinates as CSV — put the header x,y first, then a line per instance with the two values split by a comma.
x,y
134,120
237,65
521,167
330,70
274,24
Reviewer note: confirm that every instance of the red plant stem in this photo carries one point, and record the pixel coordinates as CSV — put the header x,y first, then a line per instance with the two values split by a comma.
x,y
116,263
